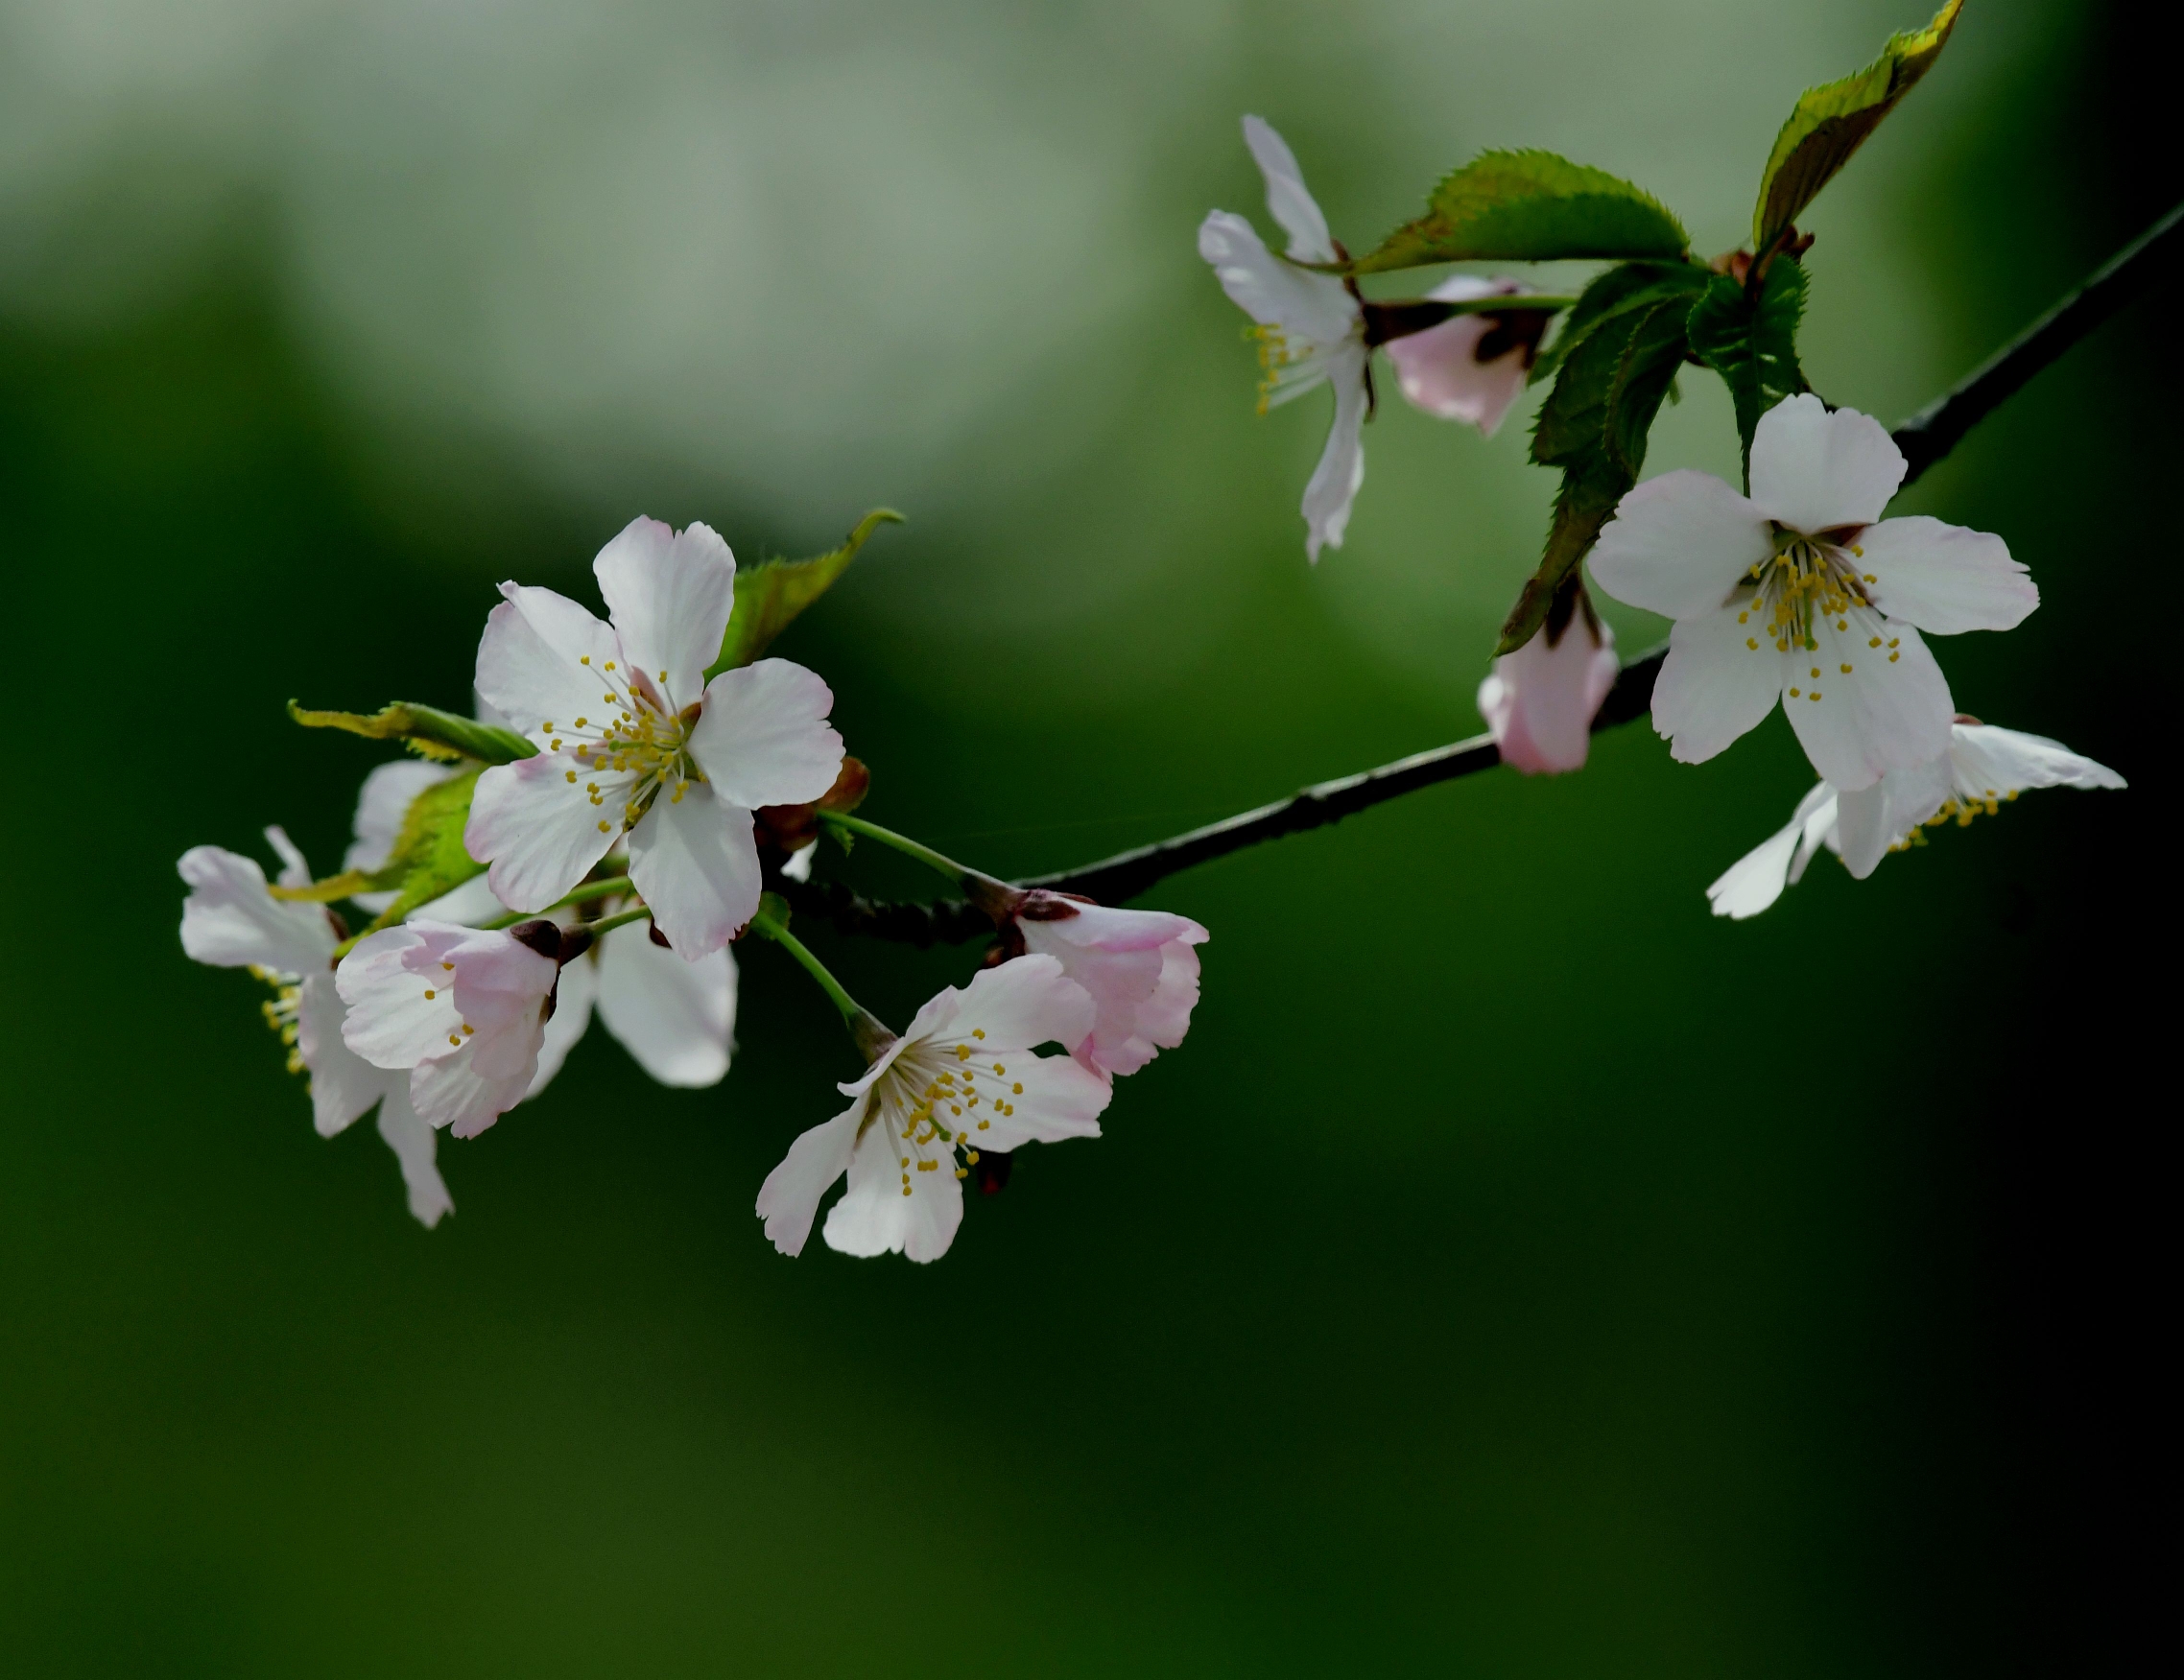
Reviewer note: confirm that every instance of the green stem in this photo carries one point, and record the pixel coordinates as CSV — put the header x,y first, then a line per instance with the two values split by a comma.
x,y
767,925
584,894
903,844
607,924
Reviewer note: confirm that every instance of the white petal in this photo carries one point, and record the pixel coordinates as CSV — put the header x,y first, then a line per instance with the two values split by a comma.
x,y
381,805
876,1218
471,902
293,870
540,830
390,1021
1019,1004
669,597
1818,812
1814,470
798,865
1755,880
572,995
414,1145
1678,544
343,1083
697,866
1713,685
231,920
1313,309
1335,481
452,1093
789,1200
1862,832
1141,974
1989,762
764,738
1060,1100
1945,578
530,659
677,1018
1880,714
1289,200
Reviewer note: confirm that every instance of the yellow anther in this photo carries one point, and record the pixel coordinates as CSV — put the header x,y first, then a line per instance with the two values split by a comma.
x,y
1894,640
584,659
1815,671
449,966
610,665
571,775
555,745
1874,643
963,1173
1846,667
1016,1090
1894,657
606,828
1814,695
1751,642
430,994
978,1033
663,677
1870,577
467,1029
1742,616
456,1042
982,1125
906,1186
999,1069
963,1053
1793,694
580,723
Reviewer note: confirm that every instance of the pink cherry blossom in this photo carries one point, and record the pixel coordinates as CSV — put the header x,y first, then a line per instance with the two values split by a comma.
x,y
1139,967
1540,700
1440,370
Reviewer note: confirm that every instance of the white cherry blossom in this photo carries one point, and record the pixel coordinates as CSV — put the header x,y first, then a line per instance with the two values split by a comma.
x,y
634,741
462,1010
1803,592
1311,326
1440,370
1983,767
231,920
1540,700
1139,967
963,1079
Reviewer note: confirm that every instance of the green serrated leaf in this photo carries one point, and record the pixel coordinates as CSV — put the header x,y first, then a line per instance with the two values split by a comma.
x,y
427,731
774,592
429,857
1530,206
1626,286
1831,122
1594,423
1752,341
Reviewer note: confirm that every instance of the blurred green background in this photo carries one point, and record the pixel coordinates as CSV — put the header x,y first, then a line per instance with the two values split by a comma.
x,y
1518,1273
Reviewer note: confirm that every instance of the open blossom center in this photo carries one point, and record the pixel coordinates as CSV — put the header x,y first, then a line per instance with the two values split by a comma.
x,y
1291,362
929,1098
1813,582
639,734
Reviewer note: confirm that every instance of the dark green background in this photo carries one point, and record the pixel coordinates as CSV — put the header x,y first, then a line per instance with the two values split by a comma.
x,y
1517,1273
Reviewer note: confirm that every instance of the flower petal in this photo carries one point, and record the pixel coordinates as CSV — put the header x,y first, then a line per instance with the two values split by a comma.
x,y
414,1145
1314,308
392,1023
876,1218
1988,761
1439,369
530,659
1141,974
1289,200
452,1093
1756,879
1945,578
1540,700
1678,544
1820,813
676,1018
1863,829
764,738
1060,1100
344,1085
1813,470
1865,714
697,866
382,804
1713,685
540,830
1335,481
789,1200
669,596
232,920
1019,1004
574,992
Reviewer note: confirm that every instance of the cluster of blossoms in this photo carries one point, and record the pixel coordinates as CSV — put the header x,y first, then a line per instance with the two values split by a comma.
x,y
635,794
621,860
1797,590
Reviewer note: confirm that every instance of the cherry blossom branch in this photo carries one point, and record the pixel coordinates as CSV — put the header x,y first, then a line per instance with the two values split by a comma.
x,y
1940,426
1925,439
